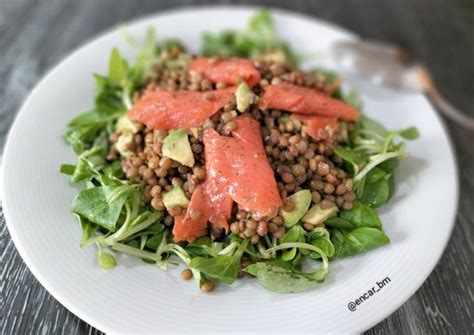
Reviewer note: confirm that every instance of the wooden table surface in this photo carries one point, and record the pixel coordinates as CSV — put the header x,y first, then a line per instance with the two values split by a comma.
x,y
35,35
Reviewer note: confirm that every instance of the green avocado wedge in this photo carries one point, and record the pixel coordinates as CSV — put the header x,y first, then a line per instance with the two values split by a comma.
x,y
177,147
317,215
175,197
302,201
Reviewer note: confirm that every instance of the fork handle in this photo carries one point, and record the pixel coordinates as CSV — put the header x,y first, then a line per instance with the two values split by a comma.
x,y
443,105
449,110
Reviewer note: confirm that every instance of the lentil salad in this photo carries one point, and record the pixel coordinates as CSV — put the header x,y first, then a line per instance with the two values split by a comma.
x,y
139,199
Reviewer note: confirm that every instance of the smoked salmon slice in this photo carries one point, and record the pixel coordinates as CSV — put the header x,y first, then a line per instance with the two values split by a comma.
x,y
230,71
213,207
237,170
209,198
303,100
167,110
187,229
321,128
241,169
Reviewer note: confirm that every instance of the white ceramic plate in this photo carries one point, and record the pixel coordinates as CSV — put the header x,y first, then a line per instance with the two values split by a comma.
x,y
138,297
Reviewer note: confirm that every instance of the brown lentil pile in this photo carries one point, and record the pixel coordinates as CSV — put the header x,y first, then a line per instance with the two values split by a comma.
x,y
157,174
275,73
299,161
246,226
171,74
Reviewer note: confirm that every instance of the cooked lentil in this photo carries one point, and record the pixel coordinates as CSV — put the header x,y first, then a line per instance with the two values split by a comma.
x,y
299,161
207,286
187,274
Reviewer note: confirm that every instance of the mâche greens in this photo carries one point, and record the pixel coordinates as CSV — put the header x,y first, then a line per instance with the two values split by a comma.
x,y
115,210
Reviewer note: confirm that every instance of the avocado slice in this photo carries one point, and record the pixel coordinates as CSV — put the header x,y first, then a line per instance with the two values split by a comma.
x,y
302,200
317,215
244,97
175,197
122,143
127,128
176,146
125,125
277,56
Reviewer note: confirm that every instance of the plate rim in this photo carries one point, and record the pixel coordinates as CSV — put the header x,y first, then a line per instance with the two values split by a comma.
x,y
95,322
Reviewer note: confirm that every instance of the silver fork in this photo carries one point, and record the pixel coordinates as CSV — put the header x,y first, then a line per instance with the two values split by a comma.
x,y
387,65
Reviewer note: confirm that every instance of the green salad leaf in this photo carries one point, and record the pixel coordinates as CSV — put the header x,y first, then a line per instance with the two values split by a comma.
x,y
372,154
389,165
113,216
283,279
67,169
117,67
106,260
361,216
259,39
339,223
359,240
295,234
103,204
376,193
89,231
280,276
376,174
320,238
224,266
350,158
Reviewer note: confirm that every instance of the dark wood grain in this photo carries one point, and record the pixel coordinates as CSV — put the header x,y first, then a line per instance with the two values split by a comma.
x,y
35,35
